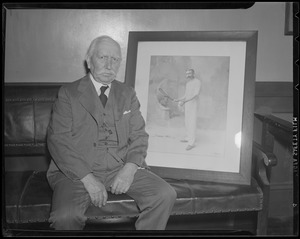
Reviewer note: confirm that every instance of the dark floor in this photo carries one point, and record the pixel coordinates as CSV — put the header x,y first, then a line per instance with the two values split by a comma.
x,y
280,226
276,227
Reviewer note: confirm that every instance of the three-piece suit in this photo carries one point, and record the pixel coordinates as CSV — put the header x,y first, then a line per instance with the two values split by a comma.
x,y
84,137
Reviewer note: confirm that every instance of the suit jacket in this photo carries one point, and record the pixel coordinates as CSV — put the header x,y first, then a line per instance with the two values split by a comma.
x,y
72,134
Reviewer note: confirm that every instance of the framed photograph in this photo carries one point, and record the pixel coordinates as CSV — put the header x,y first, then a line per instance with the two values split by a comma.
x,y
200,127
288,27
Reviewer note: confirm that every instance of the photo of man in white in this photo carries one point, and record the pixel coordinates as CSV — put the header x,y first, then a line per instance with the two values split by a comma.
x,y
190,102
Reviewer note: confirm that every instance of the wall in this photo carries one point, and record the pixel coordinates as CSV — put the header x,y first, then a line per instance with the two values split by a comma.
x,y
49,45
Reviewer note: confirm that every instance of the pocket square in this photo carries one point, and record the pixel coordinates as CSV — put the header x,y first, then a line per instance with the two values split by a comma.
x,y
126,112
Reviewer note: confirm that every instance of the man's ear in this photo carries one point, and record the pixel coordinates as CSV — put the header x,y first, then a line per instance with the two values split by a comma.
x,y
88,63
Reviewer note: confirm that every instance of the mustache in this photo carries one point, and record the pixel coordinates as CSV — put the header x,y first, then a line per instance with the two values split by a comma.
x,y
107,72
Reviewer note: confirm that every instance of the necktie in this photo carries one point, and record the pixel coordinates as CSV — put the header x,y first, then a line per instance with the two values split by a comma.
x,y
102,96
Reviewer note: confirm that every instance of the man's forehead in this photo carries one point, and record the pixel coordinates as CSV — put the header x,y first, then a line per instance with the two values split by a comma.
x,y
107,47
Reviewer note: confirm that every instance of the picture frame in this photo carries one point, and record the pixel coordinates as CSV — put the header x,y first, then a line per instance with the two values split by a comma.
x,y
225,63
288,26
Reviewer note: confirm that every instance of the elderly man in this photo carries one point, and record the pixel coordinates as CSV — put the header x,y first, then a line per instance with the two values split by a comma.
x,y
98,143
190,101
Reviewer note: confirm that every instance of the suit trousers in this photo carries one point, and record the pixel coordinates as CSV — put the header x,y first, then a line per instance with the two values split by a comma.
x,y
154,196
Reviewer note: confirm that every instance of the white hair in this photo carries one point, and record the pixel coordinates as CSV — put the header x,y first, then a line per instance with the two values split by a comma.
x,y
96,41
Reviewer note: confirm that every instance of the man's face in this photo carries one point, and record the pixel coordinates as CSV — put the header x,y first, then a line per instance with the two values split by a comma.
x,y
189,74
105,62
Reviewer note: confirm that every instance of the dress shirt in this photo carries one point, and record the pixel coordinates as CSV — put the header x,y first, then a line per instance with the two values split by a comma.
x,y
98,86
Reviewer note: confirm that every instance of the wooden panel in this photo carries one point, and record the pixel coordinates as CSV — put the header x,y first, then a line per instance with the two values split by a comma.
x,y
273,97
274,89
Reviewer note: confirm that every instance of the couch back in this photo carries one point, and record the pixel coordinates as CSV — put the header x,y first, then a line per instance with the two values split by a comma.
x,y
27,113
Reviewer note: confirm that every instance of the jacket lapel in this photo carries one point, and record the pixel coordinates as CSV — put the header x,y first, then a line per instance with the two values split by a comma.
x,y
119,99
89,98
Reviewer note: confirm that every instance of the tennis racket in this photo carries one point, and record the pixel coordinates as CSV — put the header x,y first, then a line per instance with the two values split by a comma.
x,y
165,94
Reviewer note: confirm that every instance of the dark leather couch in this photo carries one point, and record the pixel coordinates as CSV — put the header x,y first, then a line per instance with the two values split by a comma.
x,y
209,208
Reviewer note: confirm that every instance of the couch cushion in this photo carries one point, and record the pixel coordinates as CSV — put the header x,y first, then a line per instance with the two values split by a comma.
x,y
29,199
26,117
14,186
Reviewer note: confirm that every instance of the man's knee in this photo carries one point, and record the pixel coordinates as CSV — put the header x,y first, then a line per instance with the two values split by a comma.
x,y
168,194
67,219
172,193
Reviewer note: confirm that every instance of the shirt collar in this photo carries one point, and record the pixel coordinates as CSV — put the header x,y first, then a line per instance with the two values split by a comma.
x,y
99,84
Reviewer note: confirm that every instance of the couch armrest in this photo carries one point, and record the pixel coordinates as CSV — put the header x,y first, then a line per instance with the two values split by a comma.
x,y
262,163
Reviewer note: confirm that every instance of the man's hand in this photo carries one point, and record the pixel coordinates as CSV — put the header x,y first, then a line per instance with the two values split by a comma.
x,y
124,179
95,189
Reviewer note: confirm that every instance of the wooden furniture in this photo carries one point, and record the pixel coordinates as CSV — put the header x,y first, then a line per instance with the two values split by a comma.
x,y
277,137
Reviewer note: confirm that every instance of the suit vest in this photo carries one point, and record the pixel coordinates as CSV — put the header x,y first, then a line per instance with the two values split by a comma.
x,y
107,140
107,135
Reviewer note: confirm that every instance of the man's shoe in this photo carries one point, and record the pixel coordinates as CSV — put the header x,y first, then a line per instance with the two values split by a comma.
x,y
189,147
